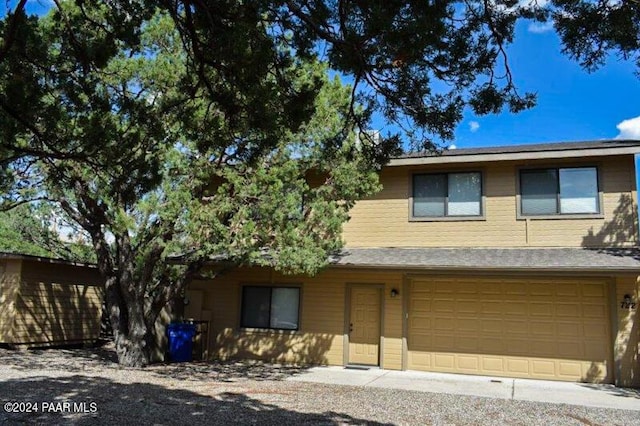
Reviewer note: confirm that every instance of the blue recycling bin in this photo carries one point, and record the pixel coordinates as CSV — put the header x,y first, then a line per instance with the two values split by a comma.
x,y
181,341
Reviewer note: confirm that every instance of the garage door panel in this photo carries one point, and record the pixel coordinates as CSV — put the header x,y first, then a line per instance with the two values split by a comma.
x,y
470,363
465,344
593,329
421,305
443,287
466,325
517,327
517,366
569,310
569,369
493,364
420,323
594,350
568,329
515,308
543,328
466,290
491,307
488,288
542,368
590,310
492,345
543,348
444,361
443,342
515,289
467,307
541,309
540,289
444,305
568,290
569,349
593,290
491,326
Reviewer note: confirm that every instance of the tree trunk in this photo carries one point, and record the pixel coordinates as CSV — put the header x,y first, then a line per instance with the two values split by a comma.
x,y
130,332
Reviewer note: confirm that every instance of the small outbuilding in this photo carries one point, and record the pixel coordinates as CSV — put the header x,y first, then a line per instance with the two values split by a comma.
x,y
48,302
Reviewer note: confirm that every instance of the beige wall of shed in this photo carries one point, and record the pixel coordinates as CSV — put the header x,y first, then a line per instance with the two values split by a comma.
x,y
56,304
9,287
383,220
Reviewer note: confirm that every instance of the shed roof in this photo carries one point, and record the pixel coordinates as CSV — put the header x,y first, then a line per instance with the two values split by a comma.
x,y
43,259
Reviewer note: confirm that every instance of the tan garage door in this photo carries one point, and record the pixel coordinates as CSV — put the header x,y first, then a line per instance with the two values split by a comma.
x,y
557,329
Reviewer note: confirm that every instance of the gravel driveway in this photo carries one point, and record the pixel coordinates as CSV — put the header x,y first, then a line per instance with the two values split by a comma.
x,y
241,393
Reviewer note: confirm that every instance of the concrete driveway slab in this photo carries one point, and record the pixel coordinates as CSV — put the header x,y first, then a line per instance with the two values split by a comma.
x,y
583,394
339,376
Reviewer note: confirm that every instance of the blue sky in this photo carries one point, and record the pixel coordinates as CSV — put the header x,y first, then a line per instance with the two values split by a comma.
x,y
572,104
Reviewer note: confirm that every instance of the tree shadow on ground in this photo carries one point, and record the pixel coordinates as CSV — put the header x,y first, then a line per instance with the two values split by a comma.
x,y
78,360
611,389
145,403
227,371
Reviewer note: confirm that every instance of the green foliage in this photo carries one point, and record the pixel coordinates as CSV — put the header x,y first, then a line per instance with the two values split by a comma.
x,y
591,30
261,167
27,230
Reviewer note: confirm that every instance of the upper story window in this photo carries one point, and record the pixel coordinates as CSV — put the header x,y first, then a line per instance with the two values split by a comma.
x,y
270,307
445,195
559,191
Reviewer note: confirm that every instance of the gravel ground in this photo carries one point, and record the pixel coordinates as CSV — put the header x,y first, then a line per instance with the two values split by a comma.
x,y
242,393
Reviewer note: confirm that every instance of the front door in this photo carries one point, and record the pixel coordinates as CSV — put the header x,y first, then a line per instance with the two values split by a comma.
x,y
364,326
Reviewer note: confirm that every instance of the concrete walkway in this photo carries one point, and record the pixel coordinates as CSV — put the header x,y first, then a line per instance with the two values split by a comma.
x,y
606,396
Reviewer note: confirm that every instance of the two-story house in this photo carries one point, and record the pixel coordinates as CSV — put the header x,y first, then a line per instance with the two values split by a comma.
x,y
516,261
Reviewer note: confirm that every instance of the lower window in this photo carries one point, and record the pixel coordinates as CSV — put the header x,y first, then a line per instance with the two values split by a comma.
x,y
270,307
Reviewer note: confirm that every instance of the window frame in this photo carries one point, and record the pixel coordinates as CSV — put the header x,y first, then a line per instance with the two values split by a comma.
x,y
271,286
447,218
558,215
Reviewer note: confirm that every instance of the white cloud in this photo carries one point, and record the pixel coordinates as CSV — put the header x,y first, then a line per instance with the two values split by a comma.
x,y
540,27
629,129
452,146
474,126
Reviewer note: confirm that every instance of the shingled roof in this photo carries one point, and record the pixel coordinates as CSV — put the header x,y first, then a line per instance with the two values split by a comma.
x,y
498,259
526,151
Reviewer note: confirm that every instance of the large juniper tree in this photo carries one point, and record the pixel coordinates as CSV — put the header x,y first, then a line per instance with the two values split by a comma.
x,y
196,127
152,166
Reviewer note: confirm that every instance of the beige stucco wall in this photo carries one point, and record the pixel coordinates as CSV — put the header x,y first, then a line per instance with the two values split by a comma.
x,y
627,333
321,337
383,220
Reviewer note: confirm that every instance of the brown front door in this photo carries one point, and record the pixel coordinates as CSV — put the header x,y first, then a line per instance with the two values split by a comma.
x,y
364,326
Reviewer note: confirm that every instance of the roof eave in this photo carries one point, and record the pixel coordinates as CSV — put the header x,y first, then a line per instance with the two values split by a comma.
x,y
514,156
486,269
43,259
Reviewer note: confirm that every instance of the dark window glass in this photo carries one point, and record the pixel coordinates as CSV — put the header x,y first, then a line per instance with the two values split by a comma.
x,y
559,191
539,189
429,194
452,194
270,307
256,303
579,190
